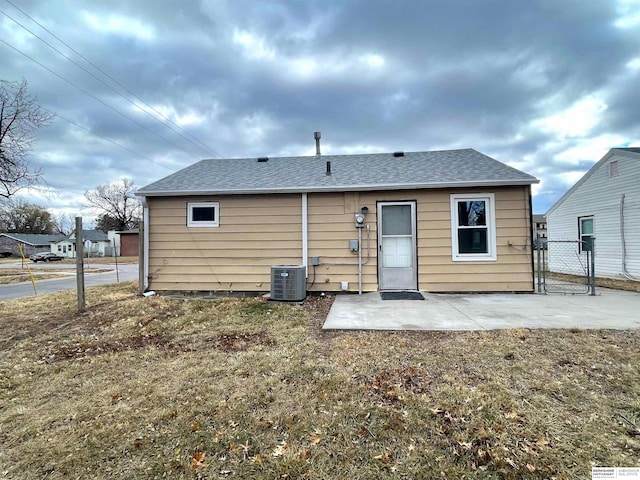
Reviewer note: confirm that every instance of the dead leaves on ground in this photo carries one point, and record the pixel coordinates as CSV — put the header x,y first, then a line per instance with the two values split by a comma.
x,y
90,347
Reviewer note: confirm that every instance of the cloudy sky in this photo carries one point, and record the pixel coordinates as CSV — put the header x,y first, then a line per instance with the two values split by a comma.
x,y
142,89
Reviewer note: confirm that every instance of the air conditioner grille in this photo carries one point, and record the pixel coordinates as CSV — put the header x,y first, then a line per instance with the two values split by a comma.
x,y
288,282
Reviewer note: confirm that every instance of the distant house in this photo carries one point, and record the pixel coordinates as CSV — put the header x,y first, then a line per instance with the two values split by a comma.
x,y
441,221
30,243
99,244
539,228
604,204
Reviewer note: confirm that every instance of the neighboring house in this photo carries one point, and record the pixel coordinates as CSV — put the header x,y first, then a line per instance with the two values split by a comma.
x,y
30,242
604,204
539,228
442,221
129,243
99,244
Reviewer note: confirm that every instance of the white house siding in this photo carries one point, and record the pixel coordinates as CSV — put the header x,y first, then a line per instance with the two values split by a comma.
x,y
600,196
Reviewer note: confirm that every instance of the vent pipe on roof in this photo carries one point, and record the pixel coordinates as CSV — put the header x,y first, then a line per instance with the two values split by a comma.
x,y
317,136
328,168
398,154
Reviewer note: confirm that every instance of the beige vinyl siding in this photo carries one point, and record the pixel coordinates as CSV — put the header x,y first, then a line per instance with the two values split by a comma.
x,y
512,271
331,226
255,232
258,231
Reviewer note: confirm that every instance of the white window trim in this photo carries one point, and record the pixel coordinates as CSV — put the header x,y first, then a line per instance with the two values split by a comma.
x,y
207,224
489,199
581,248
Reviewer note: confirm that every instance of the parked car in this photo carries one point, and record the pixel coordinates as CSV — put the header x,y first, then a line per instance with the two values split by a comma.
x,y
45,257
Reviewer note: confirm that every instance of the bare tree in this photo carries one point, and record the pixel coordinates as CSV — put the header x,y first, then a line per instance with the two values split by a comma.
x,y
63,223
117,202
20,119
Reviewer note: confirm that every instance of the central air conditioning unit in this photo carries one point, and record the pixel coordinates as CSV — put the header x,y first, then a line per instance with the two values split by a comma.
x,y
288,283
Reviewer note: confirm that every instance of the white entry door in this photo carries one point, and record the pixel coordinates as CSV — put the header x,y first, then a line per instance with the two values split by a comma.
x,y
397,268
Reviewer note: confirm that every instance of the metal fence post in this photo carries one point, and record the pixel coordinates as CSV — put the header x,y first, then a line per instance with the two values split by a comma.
x,y
539,263
593,266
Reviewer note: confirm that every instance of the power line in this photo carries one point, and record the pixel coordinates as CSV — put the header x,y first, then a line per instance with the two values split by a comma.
x,y
105,138
206,150
206,147
94,97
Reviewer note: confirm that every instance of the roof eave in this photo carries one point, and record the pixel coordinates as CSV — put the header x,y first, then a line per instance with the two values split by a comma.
x,y
581,180
338,188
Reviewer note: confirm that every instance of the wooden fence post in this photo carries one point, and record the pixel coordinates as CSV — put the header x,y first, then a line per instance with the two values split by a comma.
x,y
80,264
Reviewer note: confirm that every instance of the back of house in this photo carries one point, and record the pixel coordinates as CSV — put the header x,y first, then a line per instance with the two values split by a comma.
x,y
444,221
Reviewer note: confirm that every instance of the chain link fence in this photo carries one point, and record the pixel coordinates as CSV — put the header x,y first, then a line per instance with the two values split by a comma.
x,y
566,266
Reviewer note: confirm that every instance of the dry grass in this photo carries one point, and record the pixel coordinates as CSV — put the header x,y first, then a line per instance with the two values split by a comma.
x,y
105,260
17,275
98,260
239,388
616,284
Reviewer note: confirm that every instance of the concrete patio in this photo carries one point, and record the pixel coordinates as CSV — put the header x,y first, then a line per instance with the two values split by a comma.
x,y
609,309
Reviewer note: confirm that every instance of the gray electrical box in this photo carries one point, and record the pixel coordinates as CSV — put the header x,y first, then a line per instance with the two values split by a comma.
x,y
353,245
315,261
359,218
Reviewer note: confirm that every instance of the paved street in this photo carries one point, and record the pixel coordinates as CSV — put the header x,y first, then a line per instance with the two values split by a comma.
x,y
126,272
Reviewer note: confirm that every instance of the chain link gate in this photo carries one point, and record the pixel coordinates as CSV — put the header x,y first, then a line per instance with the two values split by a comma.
x,y
566,266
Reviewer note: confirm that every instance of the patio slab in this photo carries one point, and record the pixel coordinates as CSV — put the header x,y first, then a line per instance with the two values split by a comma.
x,y
609,309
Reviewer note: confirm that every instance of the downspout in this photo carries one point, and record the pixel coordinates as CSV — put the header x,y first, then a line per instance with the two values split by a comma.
x,y
305,236
145,240
533,276
623,243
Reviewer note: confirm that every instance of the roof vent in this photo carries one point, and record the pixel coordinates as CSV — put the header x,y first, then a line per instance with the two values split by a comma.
x,y
398,154
263,159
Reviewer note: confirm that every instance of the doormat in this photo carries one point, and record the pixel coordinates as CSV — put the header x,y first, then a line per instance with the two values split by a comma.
x,y
401,296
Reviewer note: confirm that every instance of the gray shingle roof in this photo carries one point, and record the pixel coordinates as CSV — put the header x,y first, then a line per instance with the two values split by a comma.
x,y
92,235
95,235
380,171
34,238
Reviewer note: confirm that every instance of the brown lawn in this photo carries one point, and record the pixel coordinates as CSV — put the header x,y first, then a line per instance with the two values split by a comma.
x,y
240,388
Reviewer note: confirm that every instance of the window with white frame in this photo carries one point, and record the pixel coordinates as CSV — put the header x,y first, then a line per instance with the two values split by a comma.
x,y
473,231
203,214
585,227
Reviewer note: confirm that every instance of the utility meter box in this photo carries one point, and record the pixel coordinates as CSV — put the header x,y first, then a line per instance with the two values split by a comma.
x,y
359,218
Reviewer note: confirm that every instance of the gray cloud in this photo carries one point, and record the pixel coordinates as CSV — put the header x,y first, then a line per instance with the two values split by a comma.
x,y
257,78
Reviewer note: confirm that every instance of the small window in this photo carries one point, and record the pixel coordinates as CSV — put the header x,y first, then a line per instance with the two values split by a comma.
x,y
473,232
205,214
613,169
585,225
